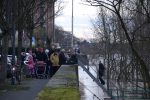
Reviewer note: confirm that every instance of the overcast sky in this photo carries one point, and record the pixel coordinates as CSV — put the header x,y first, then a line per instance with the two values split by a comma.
x,y
83,15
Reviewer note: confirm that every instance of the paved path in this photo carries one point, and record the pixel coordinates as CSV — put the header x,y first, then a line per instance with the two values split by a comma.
x,y
34,85
64,77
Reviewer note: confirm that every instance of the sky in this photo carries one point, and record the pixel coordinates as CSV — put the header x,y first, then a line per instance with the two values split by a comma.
x,y
83,15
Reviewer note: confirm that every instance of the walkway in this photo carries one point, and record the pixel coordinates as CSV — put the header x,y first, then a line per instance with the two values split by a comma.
x,y
66,76
35,86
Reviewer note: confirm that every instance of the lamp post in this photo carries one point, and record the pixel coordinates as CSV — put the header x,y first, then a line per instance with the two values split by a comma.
x,y
54,22
13,31
72,27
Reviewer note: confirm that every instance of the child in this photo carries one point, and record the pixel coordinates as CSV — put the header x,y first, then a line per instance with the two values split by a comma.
x,y
29,62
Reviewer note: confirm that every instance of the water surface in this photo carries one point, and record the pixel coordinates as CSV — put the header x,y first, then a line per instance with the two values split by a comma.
x,y
90,90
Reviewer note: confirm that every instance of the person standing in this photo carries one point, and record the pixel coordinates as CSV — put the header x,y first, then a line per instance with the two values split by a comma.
x,y
41,65
47,63
23,56
101,73
35,53
62,58
29,62
41,56
54,58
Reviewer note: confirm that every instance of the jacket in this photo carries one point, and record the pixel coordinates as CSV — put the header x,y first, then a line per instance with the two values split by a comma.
x,y
29,62
54,58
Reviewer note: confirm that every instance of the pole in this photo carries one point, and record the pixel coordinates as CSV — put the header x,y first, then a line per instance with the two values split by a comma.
x,y
13,32
53,38
72,26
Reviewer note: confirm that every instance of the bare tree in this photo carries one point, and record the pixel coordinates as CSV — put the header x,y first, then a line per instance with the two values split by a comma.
x,y
124,14
18,16
6,25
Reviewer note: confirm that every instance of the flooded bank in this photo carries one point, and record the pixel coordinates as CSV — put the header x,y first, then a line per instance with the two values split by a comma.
x,y
89,89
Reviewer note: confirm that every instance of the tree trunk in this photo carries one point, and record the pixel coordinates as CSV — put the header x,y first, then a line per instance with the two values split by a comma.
x,y
31,33
20,33
4,59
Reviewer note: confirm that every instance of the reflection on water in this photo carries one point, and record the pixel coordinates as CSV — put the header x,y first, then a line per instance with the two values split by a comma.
x,y
90,90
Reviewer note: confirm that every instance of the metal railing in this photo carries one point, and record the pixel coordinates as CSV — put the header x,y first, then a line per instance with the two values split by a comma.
x,y
82,61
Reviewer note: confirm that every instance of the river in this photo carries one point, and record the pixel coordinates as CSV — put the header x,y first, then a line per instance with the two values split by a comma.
x,y
89,89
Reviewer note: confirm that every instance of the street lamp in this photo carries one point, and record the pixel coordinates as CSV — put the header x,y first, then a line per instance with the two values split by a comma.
x,y
72,26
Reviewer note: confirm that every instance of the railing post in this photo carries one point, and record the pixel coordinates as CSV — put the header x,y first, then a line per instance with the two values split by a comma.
x,y
77,75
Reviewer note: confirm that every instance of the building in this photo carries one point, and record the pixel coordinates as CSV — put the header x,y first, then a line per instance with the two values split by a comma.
x,y
44,17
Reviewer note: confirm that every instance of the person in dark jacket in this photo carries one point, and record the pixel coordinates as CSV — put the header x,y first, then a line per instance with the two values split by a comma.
x,y
35,54
101,73
62,58
41,56
73,59
41,59
23,55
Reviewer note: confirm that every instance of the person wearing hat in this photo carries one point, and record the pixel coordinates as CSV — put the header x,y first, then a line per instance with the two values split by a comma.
x,y
54,58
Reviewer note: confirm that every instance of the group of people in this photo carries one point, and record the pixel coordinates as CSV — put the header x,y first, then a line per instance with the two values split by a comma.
x,y
52,59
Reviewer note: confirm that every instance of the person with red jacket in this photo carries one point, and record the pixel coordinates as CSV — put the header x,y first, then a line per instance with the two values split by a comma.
x,y
29,62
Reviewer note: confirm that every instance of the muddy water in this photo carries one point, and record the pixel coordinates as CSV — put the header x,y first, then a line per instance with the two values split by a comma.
x,y
89,89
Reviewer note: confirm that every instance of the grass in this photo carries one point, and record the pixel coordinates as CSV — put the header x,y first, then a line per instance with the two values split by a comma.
x,y
59,93
70,76
72,68
70,79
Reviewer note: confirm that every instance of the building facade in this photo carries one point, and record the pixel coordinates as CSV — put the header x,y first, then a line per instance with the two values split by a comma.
x,y
44,17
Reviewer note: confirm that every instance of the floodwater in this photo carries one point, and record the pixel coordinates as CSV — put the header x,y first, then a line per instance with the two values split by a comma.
x,y
89,89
